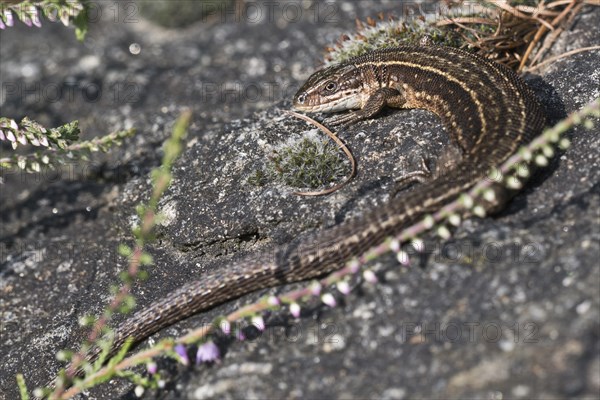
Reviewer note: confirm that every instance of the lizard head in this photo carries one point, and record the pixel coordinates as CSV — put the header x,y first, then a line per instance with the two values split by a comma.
x,y
335,88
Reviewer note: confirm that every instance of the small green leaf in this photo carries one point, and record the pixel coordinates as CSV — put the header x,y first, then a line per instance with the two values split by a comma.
x,y
142,275
124,250
125,277
146,259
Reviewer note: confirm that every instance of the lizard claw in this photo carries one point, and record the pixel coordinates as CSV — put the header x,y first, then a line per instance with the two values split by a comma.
x,y
343,120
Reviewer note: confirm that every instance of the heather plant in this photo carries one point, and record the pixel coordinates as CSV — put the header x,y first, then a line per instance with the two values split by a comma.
x,y
68,12
48,147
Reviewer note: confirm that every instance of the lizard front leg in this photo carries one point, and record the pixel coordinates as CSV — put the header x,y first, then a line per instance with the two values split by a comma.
x,y
375,103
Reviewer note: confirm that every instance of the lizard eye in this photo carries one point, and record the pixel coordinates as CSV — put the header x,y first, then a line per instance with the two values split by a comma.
x,y
330,86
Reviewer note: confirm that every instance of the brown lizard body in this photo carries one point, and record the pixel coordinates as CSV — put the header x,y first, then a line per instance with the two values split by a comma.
x,y
487,110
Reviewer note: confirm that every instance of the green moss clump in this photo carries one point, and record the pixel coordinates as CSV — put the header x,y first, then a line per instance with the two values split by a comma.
x,y
479,27
308,163
259,178
393,33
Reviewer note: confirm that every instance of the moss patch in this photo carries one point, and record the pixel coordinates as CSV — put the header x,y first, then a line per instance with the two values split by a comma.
x,y
309,163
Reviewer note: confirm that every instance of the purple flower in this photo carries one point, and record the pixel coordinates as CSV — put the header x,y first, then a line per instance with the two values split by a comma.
x,y
182,353
315,288
343,287
258,322
26,20
225,327
354,266
152,367
21,138
139,391
403,258
2,26
273,301
36,21
64,17
418,245
370,276
8,17
295,310
207,352
328,299
2,137
44,141
35,16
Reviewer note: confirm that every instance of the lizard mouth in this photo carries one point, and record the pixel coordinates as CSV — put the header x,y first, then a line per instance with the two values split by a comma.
x,y
342,104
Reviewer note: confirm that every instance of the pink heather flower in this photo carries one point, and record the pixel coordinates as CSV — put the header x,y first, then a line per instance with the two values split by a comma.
x,y
182,353
273,301
403,258
354,266
207,352
64,17
2,26
11,136
152,367
139,391
370,276
418,245
315,289
44,141
443,232
328,299
35,16
13,125
21,138
225,327
258,322
26,20
34,142
2,137
295,310
8,17
343,287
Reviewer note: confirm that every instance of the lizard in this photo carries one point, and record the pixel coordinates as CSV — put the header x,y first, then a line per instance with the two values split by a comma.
x,y
487,110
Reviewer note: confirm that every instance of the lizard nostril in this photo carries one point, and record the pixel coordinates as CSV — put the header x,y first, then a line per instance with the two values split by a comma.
x,y
301,98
